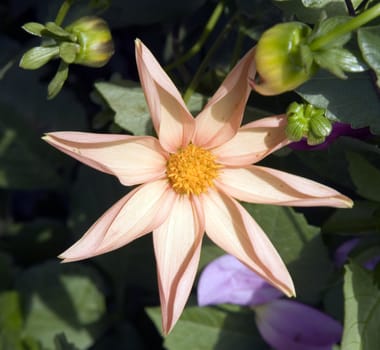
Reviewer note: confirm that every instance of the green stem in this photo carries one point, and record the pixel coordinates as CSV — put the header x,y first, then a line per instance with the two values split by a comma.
x,y
62,12
346,27
195,81
210,25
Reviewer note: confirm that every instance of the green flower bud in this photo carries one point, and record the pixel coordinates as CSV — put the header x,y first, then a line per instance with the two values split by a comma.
x,y
295,129
305,120
95,40
283,58
320,126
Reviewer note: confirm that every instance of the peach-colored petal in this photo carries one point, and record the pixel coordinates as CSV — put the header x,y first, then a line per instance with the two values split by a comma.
x,y
133,159
253,142
221,118
139,212
231,227
258,184
171,118
177,245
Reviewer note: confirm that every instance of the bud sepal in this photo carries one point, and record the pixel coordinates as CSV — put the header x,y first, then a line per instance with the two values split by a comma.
x,y
307,121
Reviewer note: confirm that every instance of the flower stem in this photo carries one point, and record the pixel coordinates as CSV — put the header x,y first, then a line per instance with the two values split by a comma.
x,y
195,81
346,27
210,25
62,12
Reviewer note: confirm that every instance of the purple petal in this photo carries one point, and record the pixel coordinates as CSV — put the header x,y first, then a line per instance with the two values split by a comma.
x,y
341,253
372,263
289,325
227,280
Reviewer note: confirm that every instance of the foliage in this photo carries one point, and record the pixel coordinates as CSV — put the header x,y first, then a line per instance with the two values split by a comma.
x,y
47,200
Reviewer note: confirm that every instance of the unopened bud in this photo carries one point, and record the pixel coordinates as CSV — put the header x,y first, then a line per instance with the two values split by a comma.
x,y
283,58
95,40
307,121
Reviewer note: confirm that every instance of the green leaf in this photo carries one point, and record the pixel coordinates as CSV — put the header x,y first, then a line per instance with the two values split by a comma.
x,y
337,61
10,321
33,28
61,343
300,246
56,31
38,56
212,328
369,43
58,80
362,310
365,176
62,298
22,162
361,219
128,101
68,51
358,106
311,11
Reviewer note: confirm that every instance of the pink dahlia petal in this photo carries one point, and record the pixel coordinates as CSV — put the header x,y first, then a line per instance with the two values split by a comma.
x,y
221,118
138,213
253,142
177,245
171,118
264,185
231,227
133,159
227,280
288,325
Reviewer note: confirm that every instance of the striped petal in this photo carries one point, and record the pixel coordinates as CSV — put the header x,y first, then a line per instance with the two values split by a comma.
x,y
177,245
133,159
231,227
222,116
253,142
172,120
258,184
138,213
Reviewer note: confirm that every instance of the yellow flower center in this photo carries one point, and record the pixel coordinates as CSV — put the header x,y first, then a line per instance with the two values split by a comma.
x,y
192,170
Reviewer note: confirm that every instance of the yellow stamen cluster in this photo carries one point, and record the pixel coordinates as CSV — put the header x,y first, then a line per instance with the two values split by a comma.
x,y
192,170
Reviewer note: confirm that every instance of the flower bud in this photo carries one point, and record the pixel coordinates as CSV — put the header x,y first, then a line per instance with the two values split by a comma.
x,y
306,120
95,40
283,58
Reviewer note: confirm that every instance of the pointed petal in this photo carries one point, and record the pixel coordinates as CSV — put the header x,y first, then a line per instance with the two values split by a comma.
x,y
286,324
227,280
258,184
222,116
138,213
133,159
253,142
231,227
171,118
177,245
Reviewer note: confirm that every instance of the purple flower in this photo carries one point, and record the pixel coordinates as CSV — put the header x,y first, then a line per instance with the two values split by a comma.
x,y
339,129
283,324
343,251
227,280
289,325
